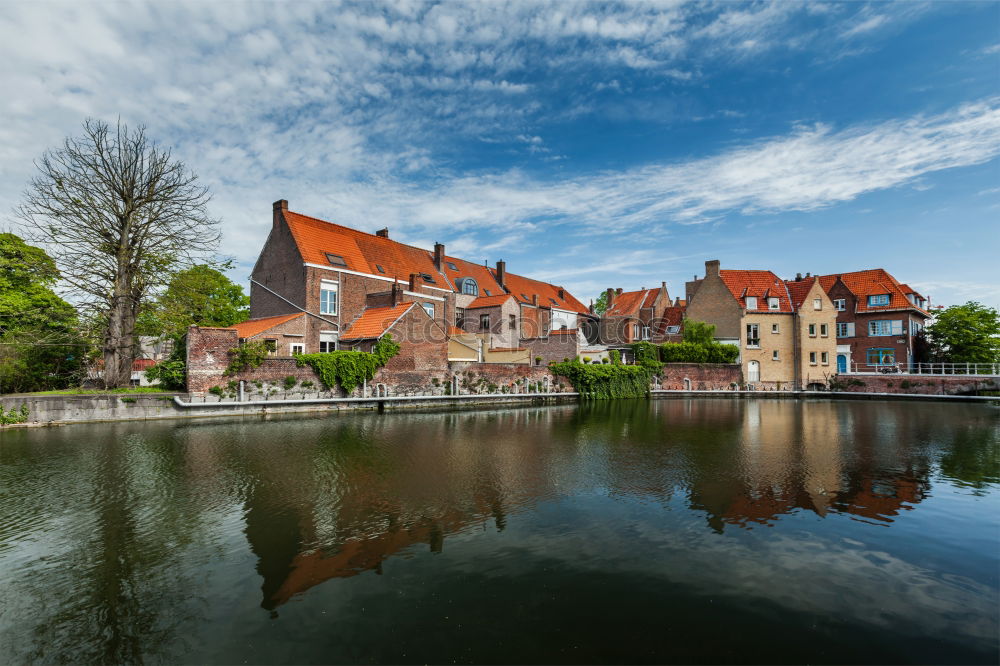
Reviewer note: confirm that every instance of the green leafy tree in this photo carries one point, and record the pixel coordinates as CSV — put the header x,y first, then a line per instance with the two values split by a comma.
x,y
968,333
601,304
40,345
200,295
698,332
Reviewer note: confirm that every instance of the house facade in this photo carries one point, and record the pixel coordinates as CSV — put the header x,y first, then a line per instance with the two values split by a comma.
x,y
781,340
333,281
631,316
878,320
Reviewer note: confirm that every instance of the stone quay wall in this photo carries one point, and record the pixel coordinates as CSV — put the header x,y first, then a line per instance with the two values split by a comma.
x,y
700,376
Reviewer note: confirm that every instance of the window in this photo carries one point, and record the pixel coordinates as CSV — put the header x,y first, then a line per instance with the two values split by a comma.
x,y
824,358
772,304
327,341
428,278
379,268
336,260
753,336
645,332
451,266
513,322
297,348
774,355
845,330
824,330
751,302
469,286
775,328
635,331
484,322
328,298
525,297
915,327
271,345
487,291
460,317
428,308
812,330
817,304
878,299
673,329
839,304
877,356
885,327
812,358
554,302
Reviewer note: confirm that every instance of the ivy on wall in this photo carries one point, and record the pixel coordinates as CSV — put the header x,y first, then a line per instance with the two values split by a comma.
x,y
348,369
606,381
247,357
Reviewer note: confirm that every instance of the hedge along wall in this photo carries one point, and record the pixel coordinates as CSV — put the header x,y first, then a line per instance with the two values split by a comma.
x,y
700,376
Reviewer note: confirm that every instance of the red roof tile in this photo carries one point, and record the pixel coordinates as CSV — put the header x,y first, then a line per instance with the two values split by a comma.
x,y
628,303
489,301
481,274
564,331
799,290
455,330
254,327
672,316
374,322
760,284
872,282
548,294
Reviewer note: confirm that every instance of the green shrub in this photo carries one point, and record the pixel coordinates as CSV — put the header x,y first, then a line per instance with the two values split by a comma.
x,y
646,354
306,384
246,357
172,375
348,369
290,382
217,390
600,381
698,352
605,361
129,400
586,359
616,356
14,415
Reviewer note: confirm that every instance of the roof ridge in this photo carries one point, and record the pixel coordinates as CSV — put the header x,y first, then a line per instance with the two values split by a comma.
x,y
359,231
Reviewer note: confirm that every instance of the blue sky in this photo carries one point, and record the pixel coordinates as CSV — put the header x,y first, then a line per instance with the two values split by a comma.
x,y
589,144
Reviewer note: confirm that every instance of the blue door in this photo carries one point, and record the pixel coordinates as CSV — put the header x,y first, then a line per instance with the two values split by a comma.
x,y
841,363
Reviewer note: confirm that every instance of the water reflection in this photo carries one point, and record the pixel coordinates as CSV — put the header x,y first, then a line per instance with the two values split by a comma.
x,y
123,543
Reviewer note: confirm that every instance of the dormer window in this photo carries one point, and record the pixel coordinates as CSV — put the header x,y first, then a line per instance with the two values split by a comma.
x,y
452,266
487,291
751,302
379,268
468,286
876,300
336,260
772,303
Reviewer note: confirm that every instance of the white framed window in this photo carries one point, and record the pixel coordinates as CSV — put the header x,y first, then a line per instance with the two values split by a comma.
x,y
484,322
772,303
812,358
635,331
824,358
775,356
753,336
845,330
812,330
645,332
885,327
751,302
840,304
824,330
296,348
817,304
328,297
775,328
878,299
470,287
428,308
327,341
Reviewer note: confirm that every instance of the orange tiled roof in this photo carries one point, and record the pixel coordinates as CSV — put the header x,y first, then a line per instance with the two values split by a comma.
x,y
672,316
489,301
799,290
455,330
761,284
628,303
872,283
467,269
564,331
253,327
548,294
374,322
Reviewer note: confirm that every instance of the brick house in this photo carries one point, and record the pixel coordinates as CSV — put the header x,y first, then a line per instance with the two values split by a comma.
x,y
877,319
669,327
330,277
631,316
781,338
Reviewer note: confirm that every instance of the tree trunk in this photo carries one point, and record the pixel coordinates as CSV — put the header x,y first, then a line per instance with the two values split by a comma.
x,y
119,343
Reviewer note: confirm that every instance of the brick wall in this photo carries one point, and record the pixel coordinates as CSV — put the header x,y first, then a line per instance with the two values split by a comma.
x,y
918,384
552,348
506,374
280,268
702,376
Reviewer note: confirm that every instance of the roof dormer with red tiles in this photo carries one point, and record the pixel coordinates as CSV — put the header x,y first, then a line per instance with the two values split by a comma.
x,y
631,316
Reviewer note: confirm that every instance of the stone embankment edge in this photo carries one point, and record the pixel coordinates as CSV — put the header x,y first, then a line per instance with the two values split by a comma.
x,y
822,395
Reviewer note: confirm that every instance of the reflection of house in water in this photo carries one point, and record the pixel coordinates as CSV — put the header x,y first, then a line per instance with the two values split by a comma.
x,y
822,459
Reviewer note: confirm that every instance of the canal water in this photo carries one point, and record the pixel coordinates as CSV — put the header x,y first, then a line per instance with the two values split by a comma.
x,y
693,531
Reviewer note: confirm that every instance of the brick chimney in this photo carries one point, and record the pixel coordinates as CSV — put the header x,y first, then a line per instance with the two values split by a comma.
x,y
798,277
413,281
712,267
383,232
611,297
395,293
618,291
534,300
502,273
562,294
439,257
279,207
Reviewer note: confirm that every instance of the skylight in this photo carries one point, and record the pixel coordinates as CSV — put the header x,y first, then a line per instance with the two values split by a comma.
x,y
452,266
380,269
335,259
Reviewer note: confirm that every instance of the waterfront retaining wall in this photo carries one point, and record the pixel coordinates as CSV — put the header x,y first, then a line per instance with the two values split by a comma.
x,y
915,384
700,376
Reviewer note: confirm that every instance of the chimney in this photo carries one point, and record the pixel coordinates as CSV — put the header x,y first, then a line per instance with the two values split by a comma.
x,y
663,285
395,293
808,274
439,257
502,273
618,291
413,281
712,267
279,207
591,308
798,277
383,232
611,297
534,300
562,294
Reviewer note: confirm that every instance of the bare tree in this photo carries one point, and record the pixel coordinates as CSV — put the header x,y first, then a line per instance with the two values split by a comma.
x,y
118,215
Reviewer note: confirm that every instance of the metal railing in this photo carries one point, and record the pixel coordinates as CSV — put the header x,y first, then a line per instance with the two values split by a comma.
x,y
989,369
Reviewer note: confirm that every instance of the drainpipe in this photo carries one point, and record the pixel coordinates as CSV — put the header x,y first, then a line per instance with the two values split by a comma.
x,y
797,350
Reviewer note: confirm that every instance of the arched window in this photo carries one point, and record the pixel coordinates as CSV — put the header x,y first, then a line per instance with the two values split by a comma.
x,y
753,371
469,286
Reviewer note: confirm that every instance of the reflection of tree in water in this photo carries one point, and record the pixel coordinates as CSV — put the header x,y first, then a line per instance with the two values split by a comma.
x,y
973,456
122,596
